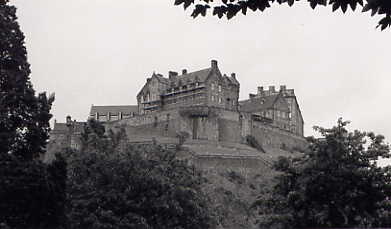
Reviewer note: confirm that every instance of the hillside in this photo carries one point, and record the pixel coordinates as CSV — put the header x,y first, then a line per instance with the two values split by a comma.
x,y
236,175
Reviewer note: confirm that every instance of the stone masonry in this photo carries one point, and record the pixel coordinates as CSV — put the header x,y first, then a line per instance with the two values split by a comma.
x,y
206,105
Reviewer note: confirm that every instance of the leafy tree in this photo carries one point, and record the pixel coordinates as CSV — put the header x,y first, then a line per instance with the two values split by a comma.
x,y
24,117
32,194
336,183
231,8
116,185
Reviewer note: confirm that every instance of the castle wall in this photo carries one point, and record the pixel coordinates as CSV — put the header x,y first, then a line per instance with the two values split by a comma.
x,y
229,131
168,124
216,125
274,137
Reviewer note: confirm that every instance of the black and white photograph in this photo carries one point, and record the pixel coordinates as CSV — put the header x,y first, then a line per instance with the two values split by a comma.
x,y
195,114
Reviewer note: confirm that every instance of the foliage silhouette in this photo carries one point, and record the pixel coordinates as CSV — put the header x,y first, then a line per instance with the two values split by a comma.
x,y
230,8
113,184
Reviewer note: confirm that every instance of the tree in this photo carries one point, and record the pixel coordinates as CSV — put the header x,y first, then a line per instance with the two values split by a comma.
x,y
336,183
116,185
231,8
24,117
32,194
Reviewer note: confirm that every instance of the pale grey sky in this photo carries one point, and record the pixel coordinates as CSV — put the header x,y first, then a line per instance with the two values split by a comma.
x,y
101,52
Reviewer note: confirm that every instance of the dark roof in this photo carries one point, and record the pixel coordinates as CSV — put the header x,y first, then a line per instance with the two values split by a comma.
x,y
230,80
126,109
197,76
256,104
62,127
162,79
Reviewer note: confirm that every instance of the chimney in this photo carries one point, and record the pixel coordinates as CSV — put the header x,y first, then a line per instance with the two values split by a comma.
x,y
233,75
68,120
213,64
172,74
260,90
184,71
282,88
272,89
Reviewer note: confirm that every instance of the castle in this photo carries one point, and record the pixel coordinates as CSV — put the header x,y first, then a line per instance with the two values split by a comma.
x,y
206,105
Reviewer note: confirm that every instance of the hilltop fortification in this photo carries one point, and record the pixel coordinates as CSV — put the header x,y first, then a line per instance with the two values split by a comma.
x,y
205,104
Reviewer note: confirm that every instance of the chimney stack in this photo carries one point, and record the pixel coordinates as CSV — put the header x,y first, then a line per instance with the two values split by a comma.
x,y
233,75
68,120
213,64
172,74
260,90
272,89
282,88
184,71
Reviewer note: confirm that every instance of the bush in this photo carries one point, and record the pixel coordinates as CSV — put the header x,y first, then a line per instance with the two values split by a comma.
x,y
251,141
141,187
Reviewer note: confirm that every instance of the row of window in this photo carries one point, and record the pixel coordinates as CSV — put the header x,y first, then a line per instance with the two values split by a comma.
x,y
184,99
219,99
184,87
213,87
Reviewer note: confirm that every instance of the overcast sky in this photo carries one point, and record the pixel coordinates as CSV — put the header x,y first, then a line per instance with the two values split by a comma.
x,y
101,52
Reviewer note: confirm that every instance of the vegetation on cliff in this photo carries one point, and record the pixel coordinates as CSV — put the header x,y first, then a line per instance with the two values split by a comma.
x,y
335,183
115,185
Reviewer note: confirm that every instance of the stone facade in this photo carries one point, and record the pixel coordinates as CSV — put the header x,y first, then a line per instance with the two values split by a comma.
x,y
64,135
206,105
207,87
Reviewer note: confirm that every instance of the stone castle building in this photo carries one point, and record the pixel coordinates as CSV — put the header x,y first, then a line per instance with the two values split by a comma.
x,y
206,105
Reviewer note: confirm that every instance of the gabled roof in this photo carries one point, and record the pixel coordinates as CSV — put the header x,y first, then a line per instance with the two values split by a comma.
x,y
260,103
230,80
197,76
126,109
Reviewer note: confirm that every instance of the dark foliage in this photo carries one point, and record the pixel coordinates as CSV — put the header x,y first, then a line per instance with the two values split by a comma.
x,y
32,194
230,8
115,185
251,141
337,183
24,117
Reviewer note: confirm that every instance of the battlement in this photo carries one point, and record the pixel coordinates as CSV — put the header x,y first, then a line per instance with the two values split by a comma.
x,y
272,91
203,103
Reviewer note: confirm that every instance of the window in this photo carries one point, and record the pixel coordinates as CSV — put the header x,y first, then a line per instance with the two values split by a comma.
x,y
213,98
219,88
213,86
220,100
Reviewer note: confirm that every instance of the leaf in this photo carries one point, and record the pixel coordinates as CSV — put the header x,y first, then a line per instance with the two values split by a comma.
x,y
366,8
335,6
344,7
178,2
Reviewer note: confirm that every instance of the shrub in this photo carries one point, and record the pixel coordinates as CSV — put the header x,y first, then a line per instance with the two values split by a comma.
x,y
251,141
